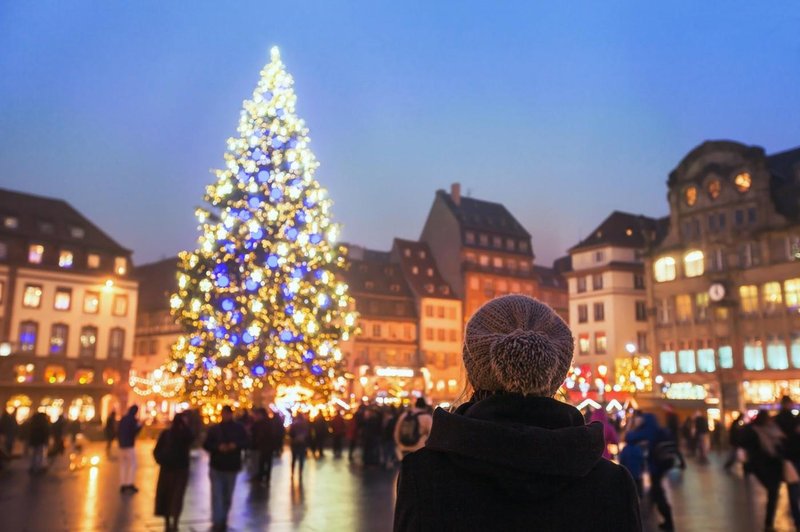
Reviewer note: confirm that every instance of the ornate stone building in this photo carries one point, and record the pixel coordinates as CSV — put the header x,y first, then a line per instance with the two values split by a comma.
x,y
724,281
67,311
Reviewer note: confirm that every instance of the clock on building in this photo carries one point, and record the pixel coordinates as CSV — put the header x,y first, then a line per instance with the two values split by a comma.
x,y
716,292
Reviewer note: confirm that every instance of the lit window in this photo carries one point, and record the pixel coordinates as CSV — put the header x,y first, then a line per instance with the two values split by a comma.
x,y
11,222
771,294
91,302
429,311
65,259
24,373
668,362
683,307
524,265
28,331
116,343
35,252
483,260
54,374
690,196
795,350
63,299
58,338
748,295
664,269
743,182
32,297
510,244
474,283
84,376
791,287
583,343
77,232
470,237
701,305
600,343
753,355
120,265
497,242
686,361
777,356
705,360
714,188
497,262
725,357
93,261
693,263
110,376
88,346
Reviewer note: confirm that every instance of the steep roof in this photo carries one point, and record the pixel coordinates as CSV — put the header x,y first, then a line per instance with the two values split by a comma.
x,y
378,285
481,215
620,229
785,170
549,277
157,281
420,269
52,220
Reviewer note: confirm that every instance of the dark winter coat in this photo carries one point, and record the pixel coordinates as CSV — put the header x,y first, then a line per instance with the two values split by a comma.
x,y
264,437
173,447
128,430
510,462
40,430
788,423
226,432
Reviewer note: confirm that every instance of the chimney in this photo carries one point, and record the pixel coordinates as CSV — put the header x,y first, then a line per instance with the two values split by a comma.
x,y
455,193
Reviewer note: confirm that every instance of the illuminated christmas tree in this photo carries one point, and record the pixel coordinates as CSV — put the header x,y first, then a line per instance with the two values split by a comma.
x,y
260,300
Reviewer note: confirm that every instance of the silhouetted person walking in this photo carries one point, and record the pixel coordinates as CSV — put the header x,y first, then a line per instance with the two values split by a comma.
x,y
172,455
224,443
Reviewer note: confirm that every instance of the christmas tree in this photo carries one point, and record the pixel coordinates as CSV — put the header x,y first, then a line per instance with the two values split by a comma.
x,y
260,300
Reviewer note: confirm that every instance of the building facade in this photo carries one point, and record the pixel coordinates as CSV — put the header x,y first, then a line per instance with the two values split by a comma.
x,y
608,308
724,281
482,251
67,310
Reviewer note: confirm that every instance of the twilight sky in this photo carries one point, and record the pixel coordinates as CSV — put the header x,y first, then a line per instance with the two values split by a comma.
x,y
562,112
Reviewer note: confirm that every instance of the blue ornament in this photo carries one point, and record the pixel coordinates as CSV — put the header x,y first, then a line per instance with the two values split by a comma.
x,y
242,175
257,154
245,215
195,341
259,370
223,281
316,370
262,176
297,273
230,247
208,363
301,217
280,112
272,261
308,203
220,269
247,338
276,143
291,234
254,202
293,142
289,310
316,238
236,317
308,356
227,304
251,285
275,194
267,95
286,336
257,234
219,332
235,339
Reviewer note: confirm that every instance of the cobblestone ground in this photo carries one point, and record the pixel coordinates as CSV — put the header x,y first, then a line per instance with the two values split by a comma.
x,y
335,495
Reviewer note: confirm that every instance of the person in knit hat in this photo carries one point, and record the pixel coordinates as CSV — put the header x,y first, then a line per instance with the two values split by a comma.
x,y
513,457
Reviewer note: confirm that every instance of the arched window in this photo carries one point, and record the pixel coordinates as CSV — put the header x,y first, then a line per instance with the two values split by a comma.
x,y
693,263
116,343
58,338
28,331
664,269
88,347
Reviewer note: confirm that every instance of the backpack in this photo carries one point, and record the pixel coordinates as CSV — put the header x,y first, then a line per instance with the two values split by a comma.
x,y
409,430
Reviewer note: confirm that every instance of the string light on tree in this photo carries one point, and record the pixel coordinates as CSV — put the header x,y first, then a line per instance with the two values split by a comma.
x,y
259,299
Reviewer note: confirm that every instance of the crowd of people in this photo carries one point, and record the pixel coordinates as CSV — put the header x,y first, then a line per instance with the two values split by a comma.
x,y
509,457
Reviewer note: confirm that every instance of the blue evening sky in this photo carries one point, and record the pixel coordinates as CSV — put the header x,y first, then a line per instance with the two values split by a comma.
x,y
564,111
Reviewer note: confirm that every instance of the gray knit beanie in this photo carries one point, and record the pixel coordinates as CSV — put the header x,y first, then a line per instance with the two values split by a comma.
x,y
517,344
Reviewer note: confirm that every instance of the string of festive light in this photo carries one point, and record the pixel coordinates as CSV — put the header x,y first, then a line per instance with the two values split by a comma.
x,y
159,383
260,300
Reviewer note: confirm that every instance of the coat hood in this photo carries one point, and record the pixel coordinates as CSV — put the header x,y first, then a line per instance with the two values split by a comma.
x,y
527,446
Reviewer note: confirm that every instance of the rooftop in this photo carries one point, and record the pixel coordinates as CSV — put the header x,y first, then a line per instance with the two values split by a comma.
x,y
420,269
480,215
621,229
157,282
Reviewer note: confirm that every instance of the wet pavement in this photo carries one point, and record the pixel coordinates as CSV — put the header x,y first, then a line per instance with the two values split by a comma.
x,y
334,495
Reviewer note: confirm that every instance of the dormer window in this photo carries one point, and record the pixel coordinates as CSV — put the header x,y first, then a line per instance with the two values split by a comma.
x,y
407,252
430,272
422,253
690,196
77,232
35,253
11,222
714,188
743,181
93,261
120,265
429,288
445,289
415,270
46,227
469,237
